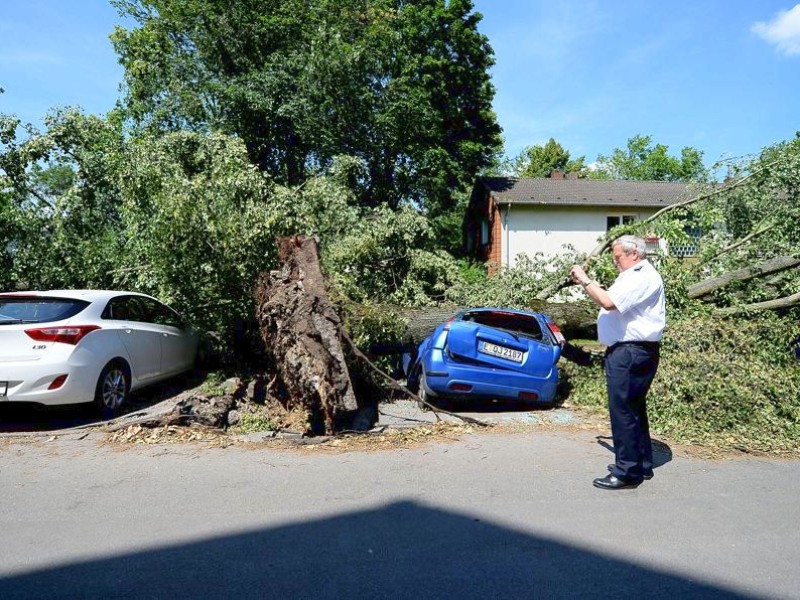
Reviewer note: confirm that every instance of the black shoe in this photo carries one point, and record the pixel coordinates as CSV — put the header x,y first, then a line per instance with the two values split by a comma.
x,y
610,482
647,474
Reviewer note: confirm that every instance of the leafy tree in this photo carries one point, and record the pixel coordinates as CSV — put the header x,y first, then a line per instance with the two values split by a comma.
x,y
754,217
390,256
403,86
644,161
183,216
58,203
540,161
199,225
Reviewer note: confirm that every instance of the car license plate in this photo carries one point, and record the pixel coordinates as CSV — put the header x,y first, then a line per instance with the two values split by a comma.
x,y
3,388
501,351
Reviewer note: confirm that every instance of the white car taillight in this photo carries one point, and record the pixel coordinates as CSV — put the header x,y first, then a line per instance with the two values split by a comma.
x,y
57,382
66,335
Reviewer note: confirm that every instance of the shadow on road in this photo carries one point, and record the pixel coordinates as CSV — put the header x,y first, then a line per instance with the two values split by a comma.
x,y
21,417
403,550
662,453
489,405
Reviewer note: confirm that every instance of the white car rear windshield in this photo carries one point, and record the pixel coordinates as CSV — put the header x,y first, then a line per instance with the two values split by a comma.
x,y
38,309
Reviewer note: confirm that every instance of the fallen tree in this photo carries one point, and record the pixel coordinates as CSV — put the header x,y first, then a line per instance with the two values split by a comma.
x,y
777,303
575,319
307,346
774,265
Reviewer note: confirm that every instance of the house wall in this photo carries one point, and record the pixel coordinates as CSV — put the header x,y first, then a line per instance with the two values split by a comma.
x,y
546,229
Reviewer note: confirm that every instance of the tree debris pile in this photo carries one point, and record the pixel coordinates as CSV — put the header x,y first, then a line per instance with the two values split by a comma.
x,y
390,439
141,434
236,405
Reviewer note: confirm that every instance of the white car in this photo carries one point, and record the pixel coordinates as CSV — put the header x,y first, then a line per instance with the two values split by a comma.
x,y
73,346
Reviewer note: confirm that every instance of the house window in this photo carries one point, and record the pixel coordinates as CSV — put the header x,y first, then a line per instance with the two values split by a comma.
x,y
484,231
690,248
614,220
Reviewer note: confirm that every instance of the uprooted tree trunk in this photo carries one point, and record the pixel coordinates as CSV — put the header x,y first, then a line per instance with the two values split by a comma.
x,y
303,337
304,347
304,340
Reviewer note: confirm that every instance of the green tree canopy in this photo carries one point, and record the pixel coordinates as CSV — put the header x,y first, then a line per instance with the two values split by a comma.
x,y
403,86
184,216
644,161
541,160
59,205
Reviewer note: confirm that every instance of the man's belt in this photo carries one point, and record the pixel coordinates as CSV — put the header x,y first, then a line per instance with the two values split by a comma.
x,y
647,345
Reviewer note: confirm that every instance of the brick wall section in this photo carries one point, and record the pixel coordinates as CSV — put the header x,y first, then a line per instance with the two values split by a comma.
x,y
495,248
488,250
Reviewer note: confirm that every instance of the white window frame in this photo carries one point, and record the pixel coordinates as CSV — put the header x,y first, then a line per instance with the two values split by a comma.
x,y
622,219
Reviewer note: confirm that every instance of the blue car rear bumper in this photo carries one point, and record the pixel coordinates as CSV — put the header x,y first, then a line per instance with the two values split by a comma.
x,y
448,378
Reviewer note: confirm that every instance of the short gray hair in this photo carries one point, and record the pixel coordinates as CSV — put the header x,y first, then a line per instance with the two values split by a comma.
x,y
629,243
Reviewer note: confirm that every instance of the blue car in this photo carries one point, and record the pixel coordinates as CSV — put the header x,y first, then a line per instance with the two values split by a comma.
x,y
489,353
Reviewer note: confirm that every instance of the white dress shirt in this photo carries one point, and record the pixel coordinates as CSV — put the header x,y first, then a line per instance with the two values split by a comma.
x,y
640,315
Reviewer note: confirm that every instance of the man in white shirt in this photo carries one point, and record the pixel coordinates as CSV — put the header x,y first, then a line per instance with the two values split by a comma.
x,y
631,322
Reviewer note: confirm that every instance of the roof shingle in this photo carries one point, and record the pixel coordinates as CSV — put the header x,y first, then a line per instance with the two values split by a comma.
x,y
585,192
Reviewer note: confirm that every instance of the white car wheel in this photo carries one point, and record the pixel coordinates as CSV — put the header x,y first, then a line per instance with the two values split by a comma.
x,y
113,388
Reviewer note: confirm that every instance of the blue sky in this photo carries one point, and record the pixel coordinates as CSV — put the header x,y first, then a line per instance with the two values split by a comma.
x,y
720,75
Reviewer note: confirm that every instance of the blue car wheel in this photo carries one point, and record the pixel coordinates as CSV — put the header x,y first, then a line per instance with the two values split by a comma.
x,y
421,393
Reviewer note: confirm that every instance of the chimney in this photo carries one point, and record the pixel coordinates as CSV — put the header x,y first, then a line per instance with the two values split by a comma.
x,y
573,175
556,174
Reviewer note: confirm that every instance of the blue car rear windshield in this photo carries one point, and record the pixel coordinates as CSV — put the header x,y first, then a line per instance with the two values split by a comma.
x,y
521,324
38,309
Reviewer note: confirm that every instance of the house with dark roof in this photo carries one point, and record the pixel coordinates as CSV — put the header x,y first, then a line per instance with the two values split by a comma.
x,y
510,216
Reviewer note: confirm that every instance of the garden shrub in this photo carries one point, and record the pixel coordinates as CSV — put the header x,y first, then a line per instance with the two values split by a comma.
x,y
728,382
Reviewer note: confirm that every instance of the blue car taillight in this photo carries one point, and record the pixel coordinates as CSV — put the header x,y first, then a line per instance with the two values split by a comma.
x,y
461,387
556,333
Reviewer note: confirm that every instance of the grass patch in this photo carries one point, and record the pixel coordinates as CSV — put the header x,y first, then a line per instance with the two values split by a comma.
x,y
255,422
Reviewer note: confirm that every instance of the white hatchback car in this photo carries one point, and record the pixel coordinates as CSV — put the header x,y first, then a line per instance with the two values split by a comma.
x,y
73,346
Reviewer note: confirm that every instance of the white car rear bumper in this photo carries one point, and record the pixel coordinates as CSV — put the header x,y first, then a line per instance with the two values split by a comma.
x,y
29,382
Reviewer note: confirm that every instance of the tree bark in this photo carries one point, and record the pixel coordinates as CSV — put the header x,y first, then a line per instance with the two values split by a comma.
x,y
303,337
785,302
774,265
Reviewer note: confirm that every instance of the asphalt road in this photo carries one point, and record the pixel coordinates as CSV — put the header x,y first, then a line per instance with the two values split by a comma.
x,y
485,516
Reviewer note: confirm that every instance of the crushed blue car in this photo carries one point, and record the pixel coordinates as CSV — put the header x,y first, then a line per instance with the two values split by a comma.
x,y
489,354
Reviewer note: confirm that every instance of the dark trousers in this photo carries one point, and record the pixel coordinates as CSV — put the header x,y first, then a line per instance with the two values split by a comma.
x,y
630,368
